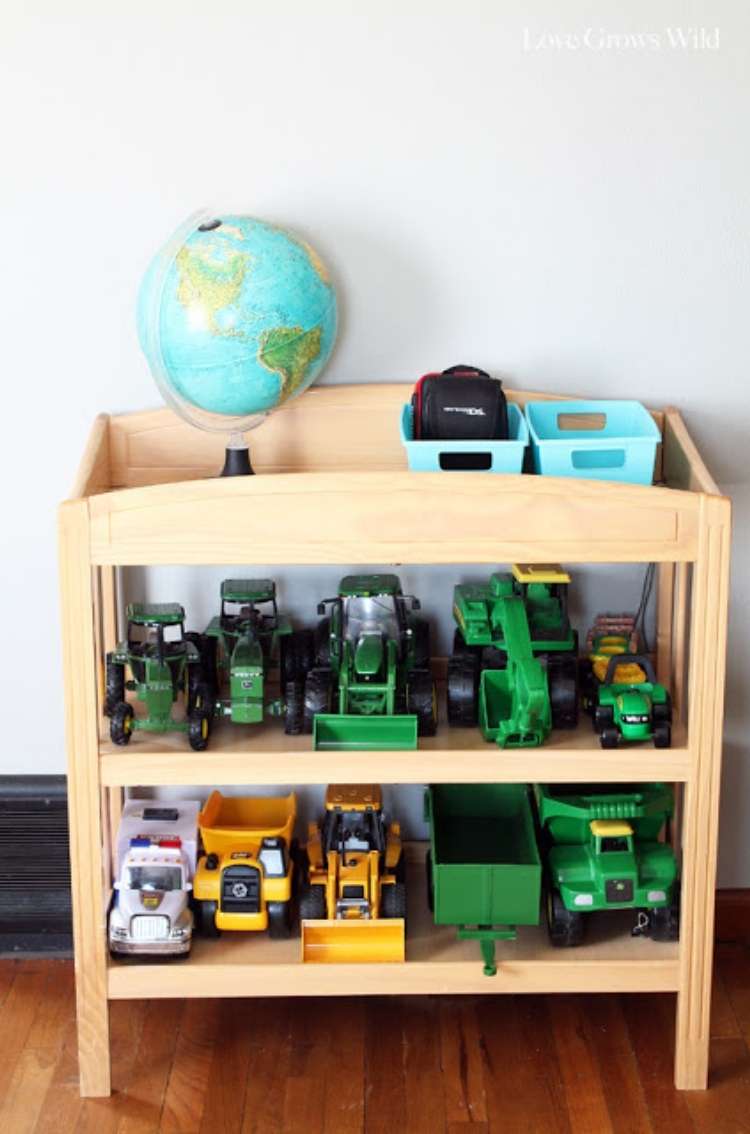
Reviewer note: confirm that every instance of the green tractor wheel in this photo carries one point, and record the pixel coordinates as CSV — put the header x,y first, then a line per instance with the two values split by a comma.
x,y
199,729
421,699
604,717
318,696
121,723
294,707
609,737
115,686
565,927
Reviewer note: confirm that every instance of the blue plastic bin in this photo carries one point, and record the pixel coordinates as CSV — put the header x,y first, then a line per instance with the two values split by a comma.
x,y
615,441
467,456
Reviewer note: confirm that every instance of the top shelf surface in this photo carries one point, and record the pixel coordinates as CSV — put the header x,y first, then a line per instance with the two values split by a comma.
x,y
331,467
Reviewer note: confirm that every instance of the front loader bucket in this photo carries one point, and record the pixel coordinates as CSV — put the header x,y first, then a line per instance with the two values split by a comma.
x,y
354,941
501,717
361,733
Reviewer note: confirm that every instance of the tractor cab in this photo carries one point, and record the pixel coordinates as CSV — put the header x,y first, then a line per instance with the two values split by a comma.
x,y
368,612
615,865
544,589
156,631
248,605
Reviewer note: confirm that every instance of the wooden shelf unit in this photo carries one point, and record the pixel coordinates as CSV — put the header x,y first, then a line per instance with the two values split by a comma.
x,y
333,488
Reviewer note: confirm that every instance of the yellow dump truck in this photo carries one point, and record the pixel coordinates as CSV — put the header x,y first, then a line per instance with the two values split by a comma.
x,y
244,877
352,902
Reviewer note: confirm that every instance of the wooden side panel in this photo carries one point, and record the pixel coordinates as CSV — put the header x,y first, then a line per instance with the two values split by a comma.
x,y
701,800
682,465
86,835
93,472
432,518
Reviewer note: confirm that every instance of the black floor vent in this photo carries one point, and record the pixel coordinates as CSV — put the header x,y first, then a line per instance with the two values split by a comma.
x,y
34,865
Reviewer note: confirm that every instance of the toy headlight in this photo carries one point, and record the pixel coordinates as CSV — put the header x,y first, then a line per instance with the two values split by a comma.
x,y
273,858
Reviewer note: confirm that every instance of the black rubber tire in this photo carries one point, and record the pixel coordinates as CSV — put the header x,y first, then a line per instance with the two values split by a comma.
x,y
199,729
209,648
318,696
461,650
422,643
195,686
200,698
296,656
120,724
115,685
664,923
312,903
294,707
562,681
421,699
205,919
587,685
565,927
663,712
462,691
429,882
609,737
279,920
603,717
323,643
393,900
493,658
662,734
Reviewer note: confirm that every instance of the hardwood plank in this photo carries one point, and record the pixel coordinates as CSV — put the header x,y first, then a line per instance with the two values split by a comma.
x,y
102,1115
584,1089
24,1097
56,1008
461,1062
608,1037
724,1022
310,1062
385,1081
17,1018
270,1043
144,1097
62,1104
225,1099
304,1105
520,1070
189,1077
345,1082
651,1026
725,1107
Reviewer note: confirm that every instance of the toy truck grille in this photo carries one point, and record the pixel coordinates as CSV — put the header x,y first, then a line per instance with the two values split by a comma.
x,y
240,890
148,927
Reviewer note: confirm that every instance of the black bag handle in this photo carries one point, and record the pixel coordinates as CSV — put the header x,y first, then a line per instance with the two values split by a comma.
x,y
461,368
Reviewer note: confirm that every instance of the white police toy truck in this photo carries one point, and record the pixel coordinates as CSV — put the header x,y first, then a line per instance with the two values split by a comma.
x,y
156,854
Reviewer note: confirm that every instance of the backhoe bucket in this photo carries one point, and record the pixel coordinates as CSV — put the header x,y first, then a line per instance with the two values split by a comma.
x,y
364,733
354,941
500,717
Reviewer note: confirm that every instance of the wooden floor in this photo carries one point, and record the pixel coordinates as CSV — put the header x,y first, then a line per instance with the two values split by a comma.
x,y
460,1065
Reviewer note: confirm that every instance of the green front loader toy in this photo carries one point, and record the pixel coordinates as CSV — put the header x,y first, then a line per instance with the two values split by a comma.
x,y
514,668
163,662
603,853
372,687
243,642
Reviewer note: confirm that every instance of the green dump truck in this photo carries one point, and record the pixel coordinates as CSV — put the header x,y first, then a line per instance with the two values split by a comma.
x,y
242,643
514,667
371,687
484,873
163,663
603,853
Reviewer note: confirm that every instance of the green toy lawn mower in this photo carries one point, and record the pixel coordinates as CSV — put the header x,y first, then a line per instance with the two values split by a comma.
x,y
630,704
372,687
239,647
603,853
163,663
514,667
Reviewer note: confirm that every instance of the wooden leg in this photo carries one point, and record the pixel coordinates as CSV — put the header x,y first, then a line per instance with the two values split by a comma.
x,y
701,800
664,609
86,847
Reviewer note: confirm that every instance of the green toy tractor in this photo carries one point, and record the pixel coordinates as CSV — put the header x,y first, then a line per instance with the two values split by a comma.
x,y
163,662
514,667
603,853
243,642
372,687
630,704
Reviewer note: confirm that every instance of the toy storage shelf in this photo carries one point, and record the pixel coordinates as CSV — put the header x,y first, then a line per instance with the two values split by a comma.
x,y
252,965
333,488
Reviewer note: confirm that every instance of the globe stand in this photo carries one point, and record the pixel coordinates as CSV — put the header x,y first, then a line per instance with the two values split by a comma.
x,y
237,459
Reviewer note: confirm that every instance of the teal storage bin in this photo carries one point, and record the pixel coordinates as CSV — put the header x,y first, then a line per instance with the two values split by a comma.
x,y
616,440
467,456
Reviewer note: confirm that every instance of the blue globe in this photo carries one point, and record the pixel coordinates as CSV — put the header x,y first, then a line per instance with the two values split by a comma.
x,y
235,316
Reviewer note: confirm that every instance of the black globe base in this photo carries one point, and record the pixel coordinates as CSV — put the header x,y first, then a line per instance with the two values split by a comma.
x,y
237,463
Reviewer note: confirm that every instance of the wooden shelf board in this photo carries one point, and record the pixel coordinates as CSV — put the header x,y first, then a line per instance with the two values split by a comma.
x,y
263,754
249,964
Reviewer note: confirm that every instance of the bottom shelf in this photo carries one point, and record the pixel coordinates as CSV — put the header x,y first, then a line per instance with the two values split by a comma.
x,y
249,964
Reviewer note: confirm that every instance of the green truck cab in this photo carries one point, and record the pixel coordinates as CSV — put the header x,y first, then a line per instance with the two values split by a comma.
x,y
603,853
372,687
630,704
242,643
514,667
163,662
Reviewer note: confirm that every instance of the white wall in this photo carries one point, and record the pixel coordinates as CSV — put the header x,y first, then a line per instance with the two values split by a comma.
x,y
571,217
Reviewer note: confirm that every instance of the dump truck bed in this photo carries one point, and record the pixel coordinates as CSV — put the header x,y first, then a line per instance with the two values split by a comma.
x,y
227,823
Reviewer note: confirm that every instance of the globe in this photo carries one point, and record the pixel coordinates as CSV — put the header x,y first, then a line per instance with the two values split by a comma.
x,y
236,316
